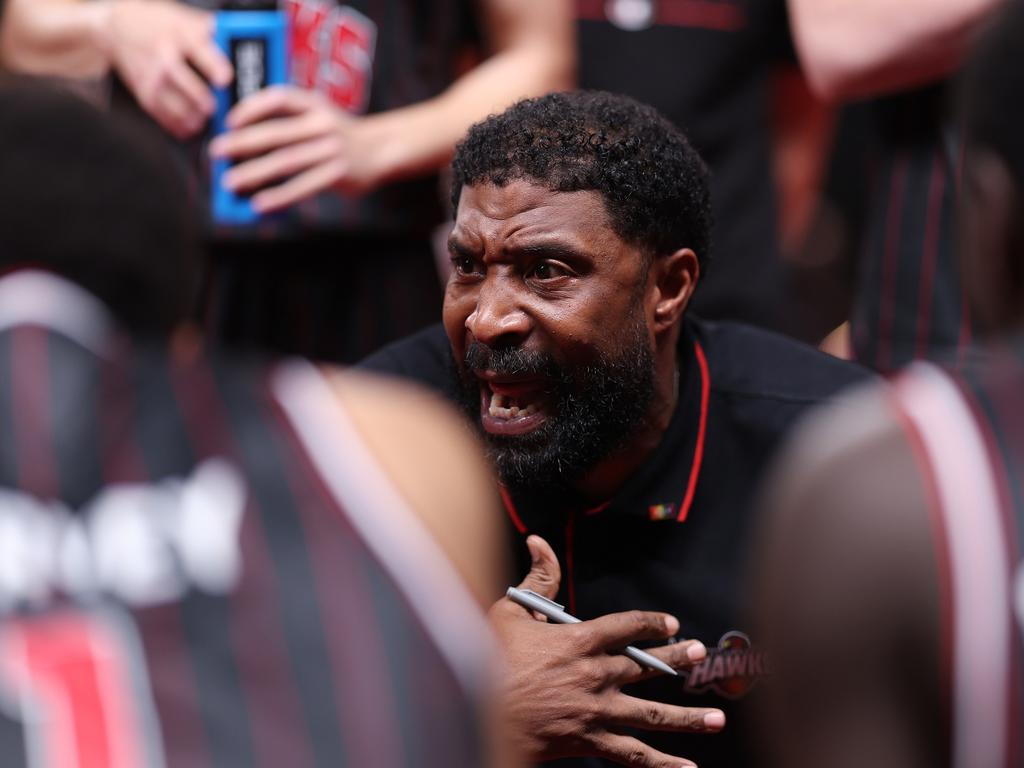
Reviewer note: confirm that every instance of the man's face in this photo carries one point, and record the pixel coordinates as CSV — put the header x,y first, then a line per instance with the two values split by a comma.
x,y
545,314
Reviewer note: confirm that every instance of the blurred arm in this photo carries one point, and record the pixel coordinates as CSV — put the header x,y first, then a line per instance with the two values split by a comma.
x,y
163,51
858,48
437,467
430,456
533,48
55,37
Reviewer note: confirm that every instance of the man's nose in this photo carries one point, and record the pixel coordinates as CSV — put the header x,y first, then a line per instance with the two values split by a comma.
x,y
498,318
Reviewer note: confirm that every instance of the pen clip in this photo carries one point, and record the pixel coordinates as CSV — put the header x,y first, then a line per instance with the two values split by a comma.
x,y
541,597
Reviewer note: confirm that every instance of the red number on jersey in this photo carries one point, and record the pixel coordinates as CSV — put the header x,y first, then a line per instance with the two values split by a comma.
x,y
75,679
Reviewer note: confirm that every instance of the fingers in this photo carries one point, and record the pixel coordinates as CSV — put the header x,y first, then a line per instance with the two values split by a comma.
x,y
297,189
198,46
626,750
678,656
176,113
617,630
268,136
545,573
281,164
193,90
211,62
648,715
270,102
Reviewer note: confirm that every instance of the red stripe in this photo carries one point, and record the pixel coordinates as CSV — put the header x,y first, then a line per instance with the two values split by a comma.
x,y
721,16
72,667
698,451
510,507
170,673
261,653
930,254
943,557
570,536
32,417
1009,415
360,670
699,14
965,327
123,461
887,299
590,10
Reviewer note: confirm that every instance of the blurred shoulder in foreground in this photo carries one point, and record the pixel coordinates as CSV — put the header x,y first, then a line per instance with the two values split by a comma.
x,y
890,572
210,561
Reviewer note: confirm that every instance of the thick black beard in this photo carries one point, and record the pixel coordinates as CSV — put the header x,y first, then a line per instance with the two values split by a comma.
x,y
593,410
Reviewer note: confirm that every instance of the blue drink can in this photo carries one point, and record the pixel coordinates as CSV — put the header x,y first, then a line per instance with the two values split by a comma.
x,y
256,43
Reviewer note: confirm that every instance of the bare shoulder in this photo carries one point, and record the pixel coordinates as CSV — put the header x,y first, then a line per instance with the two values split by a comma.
x,y
435,463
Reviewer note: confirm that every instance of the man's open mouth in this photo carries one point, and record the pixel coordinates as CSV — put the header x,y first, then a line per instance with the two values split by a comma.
x,y
512,407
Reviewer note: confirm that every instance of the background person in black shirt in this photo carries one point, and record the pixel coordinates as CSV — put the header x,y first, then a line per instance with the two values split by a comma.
x,y
627,434
708,67
894,195
891,576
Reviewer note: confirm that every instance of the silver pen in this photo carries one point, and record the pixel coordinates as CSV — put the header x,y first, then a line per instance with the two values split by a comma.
x,y
556,613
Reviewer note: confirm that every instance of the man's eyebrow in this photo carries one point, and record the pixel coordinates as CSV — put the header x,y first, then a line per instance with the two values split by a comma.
x,y
550,249
458,249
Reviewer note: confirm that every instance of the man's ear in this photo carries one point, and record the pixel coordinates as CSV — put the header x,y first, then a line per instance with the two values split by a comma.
x,y
674,278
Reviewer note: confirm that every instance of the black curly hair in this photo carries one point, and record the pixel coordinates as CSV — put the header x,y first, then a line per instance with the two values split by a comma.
x,y
654,184
97,199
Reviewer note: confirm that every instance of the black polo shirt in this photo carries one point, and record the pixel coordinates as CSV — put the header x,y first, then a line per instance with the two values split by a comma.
x,y
675,536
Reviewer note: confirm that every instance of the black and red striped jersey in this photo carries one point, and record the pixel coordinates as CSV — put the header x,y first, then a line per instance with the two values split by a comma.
x,y
968,431
909,302
202,565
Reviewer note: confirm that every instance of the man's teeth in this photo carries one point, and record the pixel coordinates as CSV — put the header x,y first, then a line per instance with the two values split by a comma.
x,y
500,409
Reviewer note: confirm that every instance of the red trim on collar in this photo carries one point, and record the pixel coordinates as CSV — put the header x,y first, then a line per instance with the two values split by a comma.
x,y
570,575
698,451
511,509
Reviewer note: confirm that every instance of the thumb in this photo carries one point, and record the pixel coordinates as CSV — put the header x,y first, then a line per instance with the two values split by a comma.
x,y
545,574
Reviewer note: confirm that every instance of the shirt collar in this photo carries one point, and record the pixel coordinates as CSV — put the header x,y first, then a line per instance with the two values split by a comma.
x,y
35,297
664,486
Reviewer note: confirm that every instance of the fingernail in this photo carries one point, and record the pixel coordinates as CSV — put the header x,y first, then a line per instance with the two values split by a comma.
x,y
696,652
216,147
671,624
714,720
531,546
230,181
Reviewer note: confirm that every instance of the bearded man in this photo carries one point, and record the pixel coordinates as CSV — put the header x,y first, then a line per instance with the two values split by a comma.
x,y
628,435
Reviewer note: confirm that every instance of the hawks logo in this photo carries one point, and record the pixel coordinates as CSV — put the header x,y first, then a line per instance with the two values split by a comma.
x,y
731,669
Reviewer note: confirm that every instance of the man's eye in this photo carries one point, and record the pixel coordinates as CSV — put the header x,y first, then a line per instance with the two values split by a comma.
x,y
547,270
464,265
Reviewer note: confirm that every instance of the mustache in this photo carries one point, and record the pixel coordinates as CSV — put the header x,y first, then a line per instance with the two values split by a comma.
x,y
510,361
